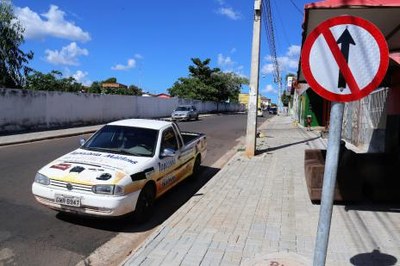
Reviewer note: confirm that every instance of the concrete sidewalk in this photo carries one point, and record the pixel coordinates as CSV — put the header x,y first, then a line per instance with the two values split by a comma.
x,y
257,212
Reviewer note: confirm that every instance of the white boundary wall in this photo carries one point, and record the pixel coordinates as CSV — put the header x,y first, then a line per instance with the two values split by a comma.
x,y
25,110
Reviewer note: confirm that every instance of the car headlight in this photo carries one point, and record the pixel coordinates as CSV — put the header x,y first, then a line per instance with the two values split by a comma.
x,y
42,179
108,189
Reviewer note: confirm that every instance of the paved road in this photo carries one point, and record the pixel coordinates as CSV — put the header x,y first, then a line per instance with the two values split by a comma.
x,y
31,234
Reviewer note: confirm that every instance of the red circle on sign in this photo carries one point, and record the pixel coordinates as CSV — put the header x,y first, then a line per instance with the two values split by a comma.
x,y
356,94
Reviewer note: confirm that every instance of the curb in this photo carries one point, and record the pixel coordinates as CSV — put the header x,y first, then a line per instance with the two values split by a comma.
x,y
40,138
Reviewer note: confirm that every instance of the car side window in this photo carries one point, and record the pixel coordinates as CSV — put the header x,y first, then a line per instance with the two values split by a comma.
x,y
169,140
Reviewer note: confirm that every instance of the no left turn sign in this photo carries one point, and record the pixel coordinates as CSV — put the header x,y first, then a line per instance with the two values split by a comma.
x,y
344,58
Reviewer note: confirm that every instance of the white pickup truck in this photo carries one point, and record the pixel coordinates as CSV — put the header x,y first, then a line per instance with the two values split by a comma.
x,y
120,169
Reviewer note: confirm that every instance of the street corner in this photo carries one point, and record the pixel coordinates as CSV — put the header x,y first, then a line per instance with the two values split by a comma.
x,y
278,259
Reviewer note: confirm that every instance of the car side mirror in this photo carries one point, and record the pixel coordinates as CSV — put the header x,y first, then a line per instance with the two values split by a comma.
x,y
168,153
82,141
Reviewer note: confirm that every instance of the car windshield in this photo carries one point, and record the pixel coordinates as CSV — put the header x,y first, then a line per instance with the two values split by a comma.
x,y
182,108
124,140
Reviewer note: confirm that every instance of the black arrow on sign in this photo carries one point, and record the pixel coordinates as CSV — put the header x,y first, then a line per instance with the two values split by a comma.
x,y
345,39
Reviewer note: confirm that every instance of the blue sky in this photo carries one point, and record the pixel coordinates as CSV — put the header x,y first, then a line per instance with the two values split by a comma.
x,y
150,43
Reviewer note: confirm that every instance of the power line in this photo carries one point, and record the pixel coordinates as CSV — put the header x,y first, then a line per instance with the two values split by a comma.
x,y
269,26
282,24
297,8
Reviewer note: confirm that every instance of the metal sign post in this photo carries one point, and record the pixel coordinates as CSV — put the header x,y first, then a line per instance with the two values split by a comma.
x,y
328,186
343,59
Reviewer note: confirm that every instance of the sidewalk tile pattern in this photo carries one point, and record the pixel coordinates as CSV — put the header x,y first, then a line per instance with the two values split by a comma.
x,y
259,206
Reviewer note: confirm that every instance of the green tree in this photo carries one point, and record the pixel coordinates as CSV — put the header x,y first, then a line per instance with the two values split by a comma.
x,y
13,68
228,86
285,99
110,80
95,87
52,81
193,88
135,90
202,71
207,84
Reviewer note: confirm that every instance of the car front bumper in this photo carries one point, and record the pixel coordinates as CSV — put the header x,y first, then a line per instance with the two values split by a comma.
x,y
90,203
179,117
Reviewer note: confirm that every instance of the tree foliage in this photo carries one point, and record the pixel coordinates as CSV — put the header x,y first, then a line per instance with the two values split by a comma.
x,y
13,68
135,90
52,81
97,87
207,84
193,88
286,99
110,80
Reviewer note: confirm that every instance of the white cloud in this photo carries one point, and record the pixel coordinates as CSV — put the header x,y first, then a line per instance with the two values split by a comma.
x,y
67,56
228,65
293,51
270,89
138,56
288,63
52,23
229,12
80,76
267,69
131,64
225,62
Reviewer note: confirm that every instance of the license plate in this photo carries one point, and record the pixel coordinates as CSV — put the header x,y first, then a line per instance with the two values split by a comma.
x,y
69,201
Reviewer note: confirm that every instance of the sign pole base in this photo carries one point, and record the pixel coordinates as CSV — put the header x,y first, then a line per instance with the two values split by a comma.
x,y
329,182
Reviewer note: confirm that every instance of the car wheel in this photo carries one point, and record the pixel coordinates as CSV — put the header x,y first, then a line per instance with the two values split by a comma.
x,y
196,168
145,204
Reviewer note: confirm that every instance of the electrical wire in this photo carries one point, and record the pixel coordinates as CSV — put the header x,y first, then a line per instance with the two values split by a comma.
x,y
297,8
285,35
269,27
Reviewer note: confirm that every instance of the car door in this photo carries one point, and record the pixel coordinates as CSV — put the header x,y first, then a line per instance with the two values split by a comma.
x,y
193,112
170,165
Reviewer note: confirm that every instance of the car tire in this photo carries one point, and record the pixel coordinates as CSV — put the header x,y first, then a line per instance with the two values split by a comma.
x,y
145,204
196,168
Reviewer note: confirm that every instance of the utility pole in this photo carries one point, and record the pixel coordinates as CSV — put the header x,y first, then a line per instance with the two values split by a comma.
x,y
254,78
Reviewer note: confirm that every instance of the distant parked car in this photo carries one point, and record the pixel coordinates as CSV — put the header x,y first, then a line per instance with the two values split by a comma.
x,y
185,112
273,110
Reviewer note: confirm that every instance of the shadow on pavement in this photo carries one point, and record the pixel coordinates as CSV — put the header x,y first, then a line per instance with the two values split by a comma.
x,y
164,207
374,207
373,258
258,152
